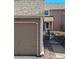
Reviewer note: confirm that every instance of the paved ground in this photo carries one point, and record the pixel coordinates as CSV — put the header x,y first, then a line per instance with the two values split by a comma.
x,y
52,51
59,51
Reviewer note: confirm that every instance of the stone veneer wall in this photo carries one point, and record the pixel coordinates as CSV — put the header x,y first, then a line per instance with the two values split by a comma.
x,y
28,7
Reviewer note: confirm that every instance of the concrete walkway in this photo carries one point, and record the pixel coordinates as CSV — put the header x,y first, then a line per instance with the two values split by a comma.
x,y
59,50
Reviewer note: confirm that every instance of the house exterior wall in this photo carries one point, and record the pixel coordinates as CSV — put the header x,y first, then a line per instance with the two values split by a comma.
x,y
59,19
27,36
28,7
57,11
50,6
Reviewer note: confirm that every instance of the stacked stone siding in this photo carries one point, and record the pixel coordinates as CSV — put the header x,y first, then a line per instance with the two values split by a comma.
x,y
28,7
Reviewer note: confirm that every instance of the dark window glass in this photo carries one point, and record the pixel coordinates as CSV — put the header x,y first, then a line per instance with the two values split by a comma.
x,y
46,12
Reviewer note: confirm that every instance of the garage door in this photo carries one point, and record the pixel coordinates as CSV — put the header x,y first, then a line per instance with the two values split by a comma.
x,y
26,38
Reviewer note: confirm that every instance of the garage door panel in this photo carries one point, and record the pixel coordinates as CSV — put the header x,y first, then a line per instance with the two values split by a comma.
x,y
25,38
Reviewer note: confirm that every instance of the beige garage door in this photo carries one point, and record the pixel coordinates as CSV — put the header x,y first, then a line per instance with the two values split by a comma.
x,y
25,38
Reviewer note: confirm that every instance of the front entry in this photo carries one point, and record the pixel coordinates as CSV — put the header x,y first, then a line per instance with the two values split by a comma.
x,y
48,23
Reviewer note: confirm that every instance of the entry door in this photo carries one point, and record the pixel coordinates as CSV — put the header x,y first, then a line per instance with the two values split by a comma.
x,y
26,37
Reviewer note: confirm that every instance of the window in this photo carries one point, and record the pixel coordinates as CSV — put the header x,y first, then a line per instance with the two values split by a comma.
x,y
46,12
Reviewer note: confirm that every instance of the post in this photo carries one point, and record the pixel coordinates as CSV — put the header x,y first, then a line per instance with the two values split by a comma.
x,y
41,37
